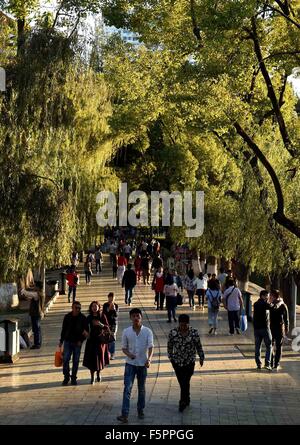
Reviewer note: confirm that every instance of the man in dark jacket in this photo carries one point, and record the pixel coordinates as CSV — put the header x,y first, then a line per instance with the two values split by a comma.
x,y
279,319
262,331
74,331
129,282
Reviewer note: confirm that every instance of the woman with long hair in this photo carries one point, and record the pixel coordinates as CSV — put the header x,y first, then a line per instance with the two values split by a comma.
x,y
96,355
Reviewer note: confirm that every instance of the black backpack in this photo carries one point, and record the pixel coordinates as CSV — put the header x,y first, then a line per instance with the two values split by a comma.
x,y
214,301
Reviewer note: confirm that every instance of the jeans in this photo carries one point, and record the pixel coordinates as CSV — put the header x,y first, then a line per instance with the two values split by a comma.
x,y
72,289
69,349
112,347
171,307
191,297
266,336
277,341
184,375
234,320
146,275
36,329
128,294
98,266
159,299
201,296
213,318
130,372
88,277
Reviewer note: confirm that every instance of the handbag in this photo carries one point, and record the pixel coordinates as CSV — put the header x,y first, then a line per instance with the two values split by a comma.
x,y
106,337
58,358
243,322
179,300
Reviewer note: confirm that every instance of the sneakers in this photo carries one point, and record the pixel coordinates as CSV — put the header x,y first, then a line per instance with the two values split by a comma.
x,y
258,367
123,419
141,414
230,333
268,367
194,308
276,368
210,331
112,356
215,332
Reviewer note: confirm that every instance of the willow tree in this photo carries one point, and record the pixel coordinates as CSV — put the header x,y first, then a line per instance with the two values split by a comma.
x,y
55,143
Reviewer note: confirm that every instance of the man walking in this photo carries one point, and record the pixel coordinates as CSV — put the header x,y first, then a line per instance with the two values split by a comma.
x,y
183,343
129,282
75,330
262,331
279,323
137,345
98,258
233,302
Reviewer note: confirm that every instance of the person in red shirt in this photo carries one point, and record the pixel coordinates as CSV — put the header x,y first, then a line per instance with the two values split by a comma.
x,y
137,266
122,263
73,281
158,286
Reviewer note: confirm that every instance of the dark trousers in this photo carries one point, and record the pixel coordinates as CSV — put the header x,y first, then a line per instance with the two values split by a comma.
x,y
266,336
36,329
128,294
88,277
277,341
71,349
159,299
98,266
72,289
201,296
184,375
191,294
234,320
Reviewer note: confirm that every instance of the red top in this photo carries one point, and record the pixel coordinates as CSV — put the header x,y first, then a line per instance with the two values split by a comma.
x,y
122,261
159,283
70,278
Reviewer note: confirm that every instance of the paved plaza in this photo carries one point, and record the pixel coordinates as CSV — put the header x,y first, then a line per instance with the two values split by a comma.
x,y
228,390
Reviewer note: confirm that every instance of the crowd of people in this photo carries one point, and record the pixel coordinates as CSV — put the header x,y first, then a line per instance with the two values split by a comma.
x,y
134,263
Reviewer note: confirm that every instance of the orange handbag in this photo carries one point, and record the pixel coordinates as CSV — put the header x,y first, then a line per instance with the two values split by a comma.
x,y
58,358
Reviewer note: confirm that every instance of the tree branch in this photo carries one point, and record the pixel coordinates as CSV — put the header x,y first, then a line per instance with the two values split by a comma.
x,y
280,102
279,215
271,92
196,29
284,15
276,230
41,177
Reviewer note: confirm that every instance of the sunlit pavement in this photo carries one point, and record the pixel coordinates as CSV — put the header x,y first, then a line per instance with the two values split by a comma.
x,y
228,390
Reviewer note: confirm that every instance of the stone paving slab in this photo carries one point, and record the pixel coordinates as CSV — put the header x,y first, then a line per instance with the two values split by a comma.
x,y
226,391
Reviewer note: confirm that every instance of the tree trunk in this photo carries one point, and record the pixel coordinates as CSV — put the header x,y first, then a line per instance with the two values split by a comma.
x,y
242,273
21,34
212,264
202,262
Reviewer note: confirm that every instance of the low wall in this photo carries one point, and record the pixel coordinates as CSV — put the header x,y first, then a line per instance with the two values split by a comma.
x,y
8,295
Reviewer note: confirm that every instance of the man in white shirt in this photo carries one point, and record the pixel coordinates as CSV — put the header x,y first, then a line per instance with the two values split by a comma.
x,y
137,345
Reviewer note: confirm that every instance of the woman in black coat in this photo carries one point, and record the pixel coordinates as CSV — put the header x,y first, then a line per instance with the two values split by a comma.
x,y
96,355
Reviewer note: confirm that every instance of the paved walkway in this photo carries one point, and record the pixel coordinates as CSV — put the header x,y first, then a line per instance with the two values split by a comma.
x,y
227,390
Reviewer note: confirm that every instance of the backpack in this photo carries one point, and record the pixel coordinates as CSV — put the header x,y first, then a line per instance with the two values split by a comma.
x,y
214,301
